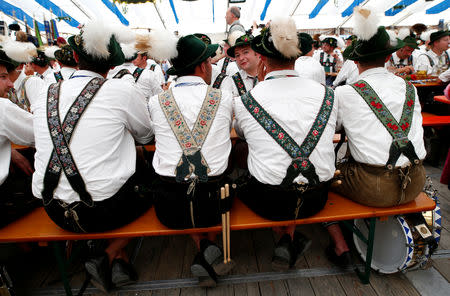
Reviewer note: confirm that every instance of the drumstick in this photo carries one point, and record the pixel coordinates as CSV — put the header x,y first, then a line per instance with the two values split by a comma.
x,y
227,194
224,232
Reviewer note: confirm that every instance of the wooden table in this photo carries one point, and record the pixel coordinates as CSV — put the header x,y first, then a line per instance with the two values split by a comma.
x,y
428,83
442,99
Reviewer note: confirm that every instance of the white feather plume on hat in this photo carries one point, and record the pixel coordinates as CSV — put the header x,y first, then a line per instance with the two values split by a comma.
x,y
162,45
96,36
234,36
128,50
50,51
284,37
21,52
123,34
403,33
392,37
366,23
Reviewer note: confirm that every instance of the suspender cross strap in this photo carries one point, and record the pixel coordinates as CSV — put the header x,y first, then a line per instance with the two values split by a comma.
x,y
237,78
192,160
122,73
222,75
152,67
299,154
137,73
58,76
61,158
398,130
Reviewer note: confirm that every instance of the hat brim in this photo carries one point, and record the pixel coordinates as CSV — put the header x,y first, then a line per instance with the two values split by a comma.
x,y
115,60
258,46
352,54
439,36
210,51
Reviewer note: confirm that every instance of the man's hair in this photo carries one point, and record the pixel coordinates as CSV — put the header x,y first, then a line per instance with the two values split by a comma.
x,y
94,67
280,62
236,11
21,36
375,62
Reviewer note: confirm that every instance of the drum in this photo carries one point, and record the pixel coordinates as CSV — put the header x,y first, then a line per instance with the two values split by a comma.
x,y
398,245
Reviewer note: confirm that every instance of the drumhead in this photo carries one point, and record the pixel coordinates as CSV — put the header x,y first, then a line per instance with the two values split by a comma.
x,y
390,250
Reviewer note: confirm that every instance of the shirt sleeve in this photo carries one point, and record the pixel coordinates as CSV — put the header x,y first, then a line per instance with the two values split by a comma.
x,y
138,119
445,76
33,88
17,124
423,61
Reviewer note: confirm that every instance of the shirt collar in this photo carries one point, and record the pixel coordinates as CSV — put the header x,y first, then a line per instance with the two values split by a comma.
x,y
245,75
373,71
48,71
281,72
86,73
186,79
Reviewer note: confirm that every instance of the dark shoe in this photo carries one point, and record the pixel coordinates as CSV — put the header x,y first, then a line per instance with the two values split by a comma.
x,y
344,260
122,273
214,257
100,272
205,273
283,254
301,244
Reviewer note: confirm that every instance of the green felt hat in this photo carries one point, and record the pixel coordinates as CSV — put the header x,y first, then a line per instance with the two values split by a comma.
x,y
191,52
65,56
115,57
205,38
377,46
331,41
263,44
306,42
411,42
438,35
241,41
7,62
41,59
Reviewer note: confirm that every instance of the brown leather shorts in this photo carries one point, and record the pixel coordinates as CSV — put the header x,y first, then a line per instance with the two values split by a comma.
x,y
378,187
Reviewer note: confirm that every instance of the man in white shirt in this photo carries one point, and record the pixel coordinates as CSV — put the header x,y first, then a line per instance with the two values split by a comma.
x,y
67,62
289,176
41,65
306,66
226,66
436,60
16,125
347,75
232,17
403,61
385,149
247,59
330,58
89,183
192,124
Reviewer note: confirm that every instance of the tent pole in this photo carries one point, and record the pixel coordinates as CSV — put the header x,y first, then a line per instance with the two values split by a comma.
x,y
157,10
295,9
338,28
77,5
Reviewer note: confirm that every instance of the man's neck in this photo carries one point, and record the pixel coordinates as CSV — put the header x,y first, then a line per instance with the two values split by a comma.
x,y
42,70
280,68
252,72
13,75
437,51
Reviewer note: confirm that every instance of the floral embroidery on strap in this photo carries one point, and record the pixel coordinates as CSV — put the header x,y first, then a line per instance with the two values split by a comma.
x,y
223,73
237,78
137,73
58,76
121,73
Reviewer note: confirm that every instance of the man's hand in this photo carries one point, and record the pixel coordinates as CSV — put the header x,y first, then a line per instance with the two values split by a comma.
x,y
261,71
19,161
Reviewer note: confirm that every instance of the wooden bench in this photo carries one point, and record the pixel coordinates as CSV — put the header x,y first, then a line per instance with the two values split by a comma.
x,y
430,119
37,226
442,99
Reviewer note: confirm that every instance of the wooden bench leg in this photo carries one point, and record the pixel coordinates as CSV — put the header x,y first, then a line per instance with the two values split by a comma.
x,y
365,276
62,266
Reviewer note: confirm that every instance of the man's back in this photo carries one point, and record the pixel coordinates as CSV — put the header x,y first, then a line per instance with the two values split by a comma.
x,y
102,144
294,103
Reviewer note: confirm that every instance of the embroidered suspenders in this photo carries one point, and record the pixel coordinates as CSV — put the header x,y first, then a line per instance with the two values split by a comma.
x,y
121,73
61,158
446,57
398,130
152,67
58,76
327,64
299,154
223,73
409,62
237,78
192,160
137,73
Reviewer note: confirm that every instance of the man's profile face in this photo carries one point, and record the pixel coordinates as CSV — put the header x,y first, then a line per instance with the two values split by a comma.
x,y
5,82
442,43
246,58
405,52
327,48
229,17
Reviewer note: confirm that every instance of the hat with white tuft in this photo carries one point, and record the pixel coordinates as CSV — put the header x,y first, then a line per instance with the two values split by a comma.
x,y
244,40
159,44
98,43
65,56
279,41
50,51
21,52
129,51
231,40
373,42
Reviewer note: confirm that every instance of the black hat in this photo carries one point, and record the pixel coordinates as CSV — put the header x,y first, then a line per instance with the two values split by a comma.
x,y
411,42
306,42
241,41
331,41
438,35
204,38
41,59
191,52
7,62
65,56
14,27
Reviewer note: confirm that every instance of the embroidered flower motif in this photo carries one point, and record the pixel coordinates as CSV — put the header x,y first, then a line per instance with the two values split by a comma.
x,y
410,103
188,145
405,126
315,132
360,85
178,122
167,103
295,166
212,102
280,136
304,163
328,102
256,110
202,122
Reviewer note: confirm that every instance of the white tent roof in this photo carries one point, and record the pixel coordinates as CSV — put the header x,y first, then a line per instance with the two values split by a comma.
x,y
208,16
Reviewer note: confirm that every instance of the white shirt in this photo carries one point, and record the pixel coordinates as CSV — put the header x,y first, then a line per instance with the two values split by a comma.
x,y
348,73
318,53
368,139
231,69
445,76
49,76
16,125
293,102
66,72
398,61
424,61
158,71
103,144
147,82
308,67
189,98
19,80
229,85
